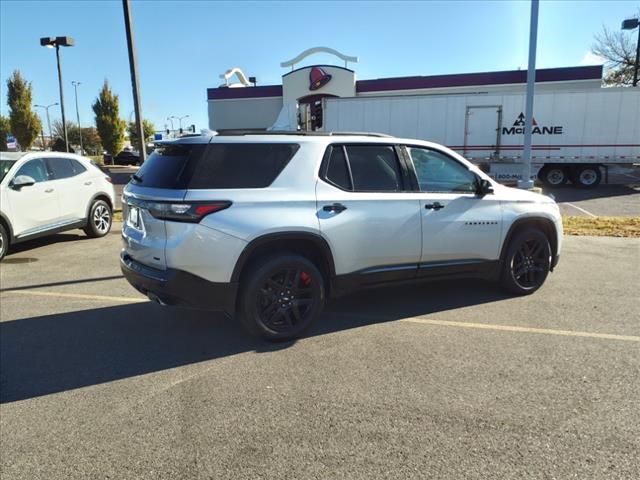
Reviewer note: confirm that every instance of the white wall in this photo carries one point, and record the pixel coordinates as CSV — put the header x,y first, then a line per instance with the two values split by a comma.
x,y
243,113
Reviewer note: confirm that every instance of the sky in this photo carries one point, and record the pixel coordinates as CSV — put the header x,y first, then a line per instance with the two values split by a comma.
x,y
183,46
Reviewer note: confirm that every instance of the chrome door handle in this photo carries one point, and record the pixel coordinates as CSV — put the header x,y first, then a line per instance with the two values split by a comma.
x,y
434,206
88,183
48,190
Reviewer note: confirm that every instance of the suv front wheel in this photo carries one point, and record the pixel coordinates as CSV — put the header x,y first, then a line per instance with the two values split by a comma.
x,y
527,262
281,297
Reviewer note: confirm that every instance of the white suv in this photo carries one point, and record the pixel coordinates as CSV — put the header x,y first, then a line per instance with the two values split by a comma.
x,y
266,226
42,193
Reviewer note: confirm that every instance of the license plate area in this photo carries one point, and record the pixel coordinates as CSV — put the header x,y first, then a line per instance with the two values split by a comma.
x,y
134,218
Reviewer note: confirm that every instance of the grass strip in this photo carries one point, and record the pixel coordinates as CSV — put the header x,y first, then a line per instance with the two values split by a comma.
x,y
602,226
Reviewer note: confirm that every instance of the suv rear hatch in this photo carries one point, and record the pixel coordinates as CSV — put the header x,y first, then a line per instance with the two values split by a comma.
x,y
157,184
158,192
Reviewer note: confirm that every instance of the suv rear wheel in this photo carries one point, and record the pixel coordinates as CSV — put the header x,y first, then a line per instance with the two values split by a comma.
x,y
527,262
281,297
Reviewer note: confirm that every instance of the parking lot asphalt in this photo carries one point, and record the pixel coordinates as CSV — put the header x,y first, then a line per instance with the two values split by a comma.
x,y
451,381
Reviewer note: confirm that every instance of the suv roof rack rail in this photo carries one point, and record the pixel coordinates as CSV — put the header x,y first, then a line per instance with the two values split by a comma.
x,y
223,133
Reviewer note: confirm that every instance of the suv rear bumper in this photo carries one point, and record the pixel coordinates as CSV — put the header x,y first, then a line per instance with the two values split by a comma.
x,y
180,288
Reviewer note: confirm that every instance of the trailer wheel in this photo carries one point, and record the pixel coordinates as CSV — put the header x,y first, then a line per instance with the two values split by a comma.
x,y
553,176
587,176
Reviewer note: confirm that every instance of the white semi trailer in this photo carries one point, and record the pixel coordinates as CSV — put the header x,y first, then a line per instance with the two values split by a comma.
x,y
576,134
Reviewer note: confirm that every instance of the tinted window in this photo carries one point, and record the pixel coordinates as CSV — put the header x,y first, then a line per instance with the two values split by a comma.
x,y
35,169
437,172
78,168
240,165
61,168
374,168
5,166
165,166
337,171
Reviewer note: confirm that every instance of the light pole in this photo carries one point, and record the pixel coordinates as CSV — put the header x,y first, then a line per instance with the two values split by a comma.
x,y
46,107
57,42
525,181
180,120
75,87
171,120
631,24
133,67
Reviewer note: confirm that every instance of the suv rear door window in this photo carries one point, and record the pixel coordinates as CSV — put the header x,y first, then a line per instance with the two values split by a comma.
x,y
337,170
374,168
240,165
63,168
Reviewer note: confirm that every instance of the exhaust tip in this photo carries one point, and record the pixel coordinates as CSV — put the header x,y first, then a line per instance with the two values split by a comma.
x,y
157,299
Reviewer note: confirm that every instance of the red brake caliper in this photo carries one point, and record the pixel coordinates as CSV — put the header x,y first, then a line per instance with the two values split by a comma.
x,y
305,278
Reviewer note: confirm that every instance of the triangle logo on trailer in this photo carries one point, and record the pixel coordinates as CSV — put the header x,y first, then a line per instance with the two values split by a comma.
x,y
521,119
518,128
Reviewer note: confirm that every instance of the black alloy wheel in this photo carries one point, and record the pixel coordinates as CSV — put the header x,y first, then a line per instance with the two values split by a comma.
x,y
282,297
527,262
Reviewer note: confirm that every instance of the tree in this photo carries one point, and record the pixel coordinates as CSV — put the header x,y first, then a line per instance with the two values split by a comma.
x,y
132,129
110,126
59,145
91,141
25,125
90,137
73,132
5,131
618,49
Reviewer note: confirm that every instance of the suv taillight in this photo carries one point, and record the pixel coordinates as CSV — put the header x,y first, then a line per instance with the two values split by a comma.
x,y
185,211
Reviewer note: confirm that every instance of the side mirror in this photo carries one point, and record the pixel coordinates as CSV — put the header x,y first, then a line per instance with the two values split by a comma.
x,y
22,181
484,187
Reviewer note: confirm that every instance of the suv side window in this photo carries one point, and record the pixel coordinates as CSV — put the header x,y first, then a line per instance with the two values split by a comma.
x,y
338,170
438,172
374,168
35,169
63,168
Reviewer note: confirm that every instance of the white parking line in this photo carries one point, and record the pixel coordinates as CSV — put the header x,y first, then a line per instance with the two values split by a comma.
x,y
512,328
78,295
579,208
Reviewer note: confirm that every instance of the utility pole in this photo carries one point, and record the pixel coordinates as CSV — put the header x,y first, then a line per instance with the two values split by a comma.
x,y
526,182
133,66
75,87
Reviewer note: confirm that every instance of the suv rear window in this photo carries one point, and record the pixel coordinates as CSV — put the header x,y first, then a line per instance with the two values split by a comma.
x,y
215,166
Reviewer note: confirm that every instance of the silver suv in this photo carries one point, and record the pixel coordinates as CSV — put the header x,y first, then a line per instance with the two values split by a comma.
x,y
267,226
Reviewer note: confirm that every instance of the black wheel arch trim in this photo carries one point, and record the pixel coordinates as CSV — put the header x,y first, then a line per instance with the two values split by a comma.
x,y
258,242
519,223
7,223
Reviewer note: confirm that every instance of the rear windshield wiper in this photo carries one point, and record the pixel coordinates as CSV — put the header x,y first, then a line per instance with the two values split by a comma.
x,y
136,178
